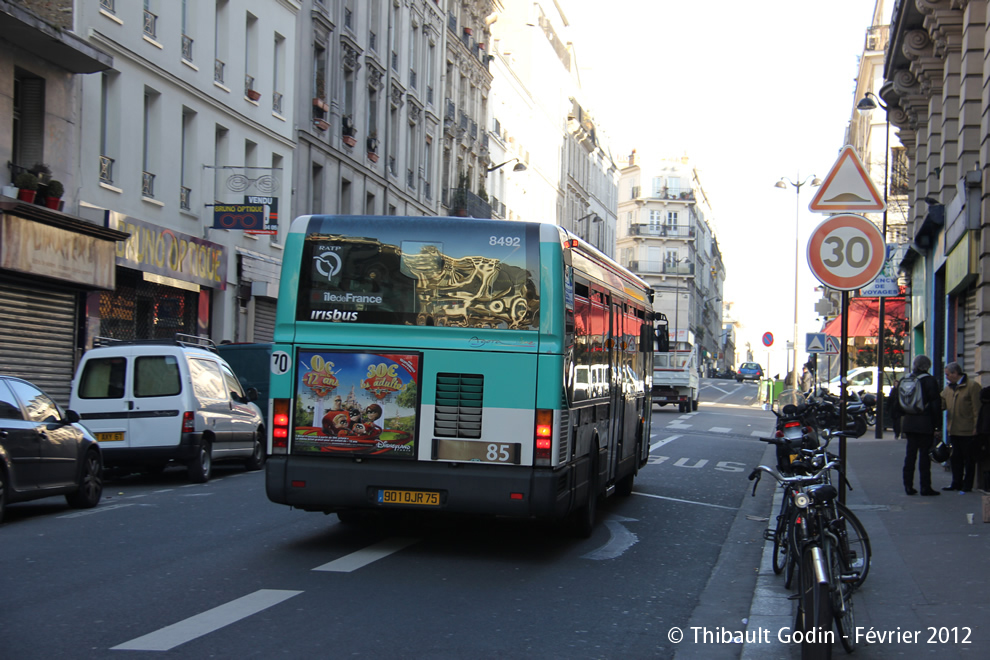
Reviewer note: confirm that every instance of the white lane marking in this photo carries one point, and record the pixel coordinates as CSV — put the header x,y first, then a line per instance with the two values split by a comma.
x,y
99,509
198,494
714,387
678,425
757,434
363,557
719,429
620,539
674,499
657,445
169,637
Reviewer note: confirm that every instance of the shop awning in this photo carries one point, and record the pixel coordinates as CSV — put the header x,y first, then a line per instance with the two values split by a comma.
x,y
864,317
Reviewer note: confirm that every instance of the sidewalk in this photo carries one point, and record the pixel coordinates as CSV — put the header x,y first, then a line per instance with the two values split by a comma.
x,y
930,572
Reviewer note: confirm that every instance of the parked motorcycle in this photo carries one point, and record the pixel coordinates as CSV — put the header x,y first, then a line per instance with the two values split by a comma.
x,y
869,401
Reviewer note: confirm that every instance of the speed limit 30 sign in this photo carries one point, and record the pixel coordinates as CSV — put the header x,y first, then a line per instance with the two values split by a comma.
x,y
846,252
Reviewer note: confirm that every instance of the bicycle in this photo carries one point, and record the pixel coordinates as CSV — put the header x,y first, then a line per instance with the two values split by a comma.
x,y
826,579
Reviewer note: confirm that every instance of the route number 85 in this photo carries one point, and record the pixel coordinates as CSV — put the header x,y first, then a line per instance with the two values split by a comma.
x,y
498,453
855,252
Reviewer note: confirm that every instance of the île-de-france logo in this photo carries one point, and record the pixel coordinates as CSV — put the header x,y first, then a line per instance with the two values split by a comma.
x,y
327,264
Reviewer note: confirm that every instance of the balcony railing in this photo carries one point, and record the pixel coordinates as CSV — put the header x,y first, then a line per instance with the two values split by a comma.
x,y
429,95
465,203
150,24
662,231
427,190
106,169
277,102
412,79
187,44
148,185
184,195
410,179
108,5
450,110
218,71
664,267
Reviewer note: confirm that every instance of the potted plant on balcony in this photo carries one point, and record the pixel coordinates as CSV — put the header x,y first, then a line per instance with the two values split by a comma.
x,y
53,194
27,186
373,147
349,131
253,94
42,171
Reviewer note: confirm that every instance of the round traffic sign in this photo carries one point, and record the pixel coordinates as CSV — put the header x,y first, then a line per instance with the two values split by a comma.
x,y
846,252
767,338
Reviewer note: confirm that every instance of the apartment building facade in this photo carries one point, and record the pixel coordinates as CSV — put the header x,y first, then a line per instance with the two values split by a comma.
x,y
666,237
51,258
934,86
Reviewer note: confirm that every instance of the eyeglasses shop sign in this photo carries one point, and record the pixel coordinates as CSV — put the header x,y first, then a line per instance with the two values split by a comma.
x,y
163,251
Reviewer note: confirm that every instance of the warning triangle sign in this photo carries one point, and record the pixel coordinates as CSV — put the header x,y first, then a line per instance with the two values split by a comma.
x,y
847,188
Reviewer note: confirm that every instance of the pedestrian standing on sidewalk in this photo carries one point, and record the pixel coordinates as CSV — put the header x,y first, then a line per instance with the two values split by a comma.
x,y
961,400
920,428
807,379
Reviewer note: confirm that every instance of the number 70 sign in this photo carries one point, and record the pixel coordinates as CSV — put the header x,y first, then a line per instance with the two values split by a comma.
x,y
846,252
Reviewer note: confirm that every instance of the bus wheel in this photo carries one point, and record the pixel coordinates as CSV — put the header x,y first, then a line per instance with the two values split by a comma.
x,y
583,520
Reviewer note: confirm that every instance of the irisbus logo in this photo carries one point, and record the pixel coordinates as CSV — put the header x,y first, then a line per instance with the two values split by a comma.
x,y
332,315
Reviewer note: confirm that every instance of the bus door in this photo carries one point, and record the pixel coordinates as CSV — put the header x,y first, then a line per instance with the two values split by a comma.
x,y
616,399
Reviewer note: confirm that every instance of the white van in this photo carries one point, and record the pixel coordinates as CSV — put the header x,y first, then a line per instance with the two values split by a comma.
x,y
152,402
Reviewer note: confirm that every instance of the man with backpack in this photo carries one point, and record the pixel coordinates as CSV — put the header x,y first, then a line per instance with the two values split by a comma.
x,y
918,407
961,400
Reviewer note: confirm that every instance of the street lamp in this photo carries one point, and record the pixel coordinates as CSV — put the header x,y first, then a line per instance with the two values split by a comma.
x,y
815,181
867,105
594,218
518,167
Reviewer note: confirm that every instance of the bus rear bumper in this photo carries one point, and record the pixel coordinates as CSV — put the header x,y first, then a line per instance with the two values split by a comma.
x,y
330,484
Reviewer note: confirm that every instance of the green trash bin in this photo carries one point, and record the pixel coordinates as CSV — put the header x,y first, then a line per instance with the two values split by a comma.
x,y
778,387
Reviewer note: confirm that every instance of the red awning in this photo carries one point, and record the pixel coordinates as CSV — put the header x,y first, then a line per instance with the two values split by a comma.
x,y
864,317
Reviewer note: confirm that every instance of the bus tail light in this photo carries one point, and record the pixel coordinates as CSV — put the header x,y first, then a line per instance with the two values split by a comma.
x,y
280,426
544,437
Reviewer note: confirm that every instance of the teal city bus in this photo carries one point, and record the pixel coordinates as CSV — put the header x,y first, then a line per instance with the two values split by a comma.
x,y
456,365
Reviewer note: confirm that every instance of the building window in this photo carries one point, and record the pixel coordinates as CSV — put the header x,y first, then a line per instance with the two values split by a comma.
x,y
28,120
899,172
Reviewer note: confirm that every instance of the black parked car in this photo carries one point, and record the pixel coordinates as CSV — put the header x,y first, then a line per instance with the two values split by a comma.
x,y
44,451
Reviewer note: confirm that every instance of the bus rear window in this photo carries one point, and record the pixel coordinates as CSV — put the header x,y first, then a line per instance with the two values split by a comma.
x,y
420,271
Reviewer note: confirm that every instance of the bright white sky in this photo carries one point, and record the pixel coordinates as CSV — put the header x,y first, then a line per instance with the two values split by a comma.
x,y
751,92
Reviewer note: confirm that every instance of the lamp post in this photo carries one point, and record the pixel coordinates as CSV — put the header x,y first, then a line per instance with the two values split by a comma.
x,y
518,167
866,105
815,181
594,218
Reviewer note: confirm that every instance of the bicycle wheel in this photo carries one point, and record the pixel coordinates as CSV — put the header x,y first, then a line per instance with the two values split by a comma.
x,y
795,537
780,545
815,618
854,544
841,592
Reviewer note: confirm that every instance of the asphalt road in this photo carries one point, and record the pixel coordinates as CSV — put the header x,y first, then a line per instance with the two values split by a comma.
x,y
216,570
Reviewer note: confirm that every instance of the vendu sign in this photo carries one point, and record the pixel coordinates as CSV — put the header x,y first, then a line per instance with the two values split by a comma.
x,y
166,252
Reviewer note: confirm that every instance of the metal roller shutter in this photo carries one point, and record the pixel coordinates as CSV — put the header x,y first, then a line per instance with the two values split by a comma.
x,y
968,360
264,320
38,334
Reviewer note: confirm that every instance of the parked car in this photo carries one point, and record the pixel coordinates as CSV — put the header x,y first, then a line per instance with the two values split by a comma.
x,y
865,378
749,371
728,374
44,451
150,403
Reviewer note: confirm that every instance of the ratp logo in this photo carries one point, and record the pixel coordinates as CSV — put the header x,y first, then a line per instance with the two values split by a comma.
x,y
327,264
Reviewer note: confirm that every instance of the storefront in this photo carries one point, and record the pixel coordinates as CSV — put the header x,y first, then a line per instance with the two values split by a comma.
x,y
49,263
165,283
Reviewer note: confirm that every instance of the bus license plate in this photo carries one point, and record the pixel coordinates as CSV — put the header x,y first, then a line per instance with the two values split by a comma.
x,y
413,497
114,436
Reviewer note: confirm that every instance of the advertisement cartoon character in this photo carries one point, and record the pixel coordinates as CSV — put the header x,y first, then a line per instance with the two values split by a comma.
x,y
371,415
336,423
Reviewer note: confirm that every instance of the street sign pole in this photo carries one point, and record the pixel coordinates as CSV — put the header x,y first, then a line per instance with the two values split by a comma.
x,y
843,368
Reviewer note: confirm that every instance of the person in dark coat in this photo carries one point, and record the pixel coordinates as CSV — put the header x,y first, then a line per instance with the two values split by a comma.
x,y
921,430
